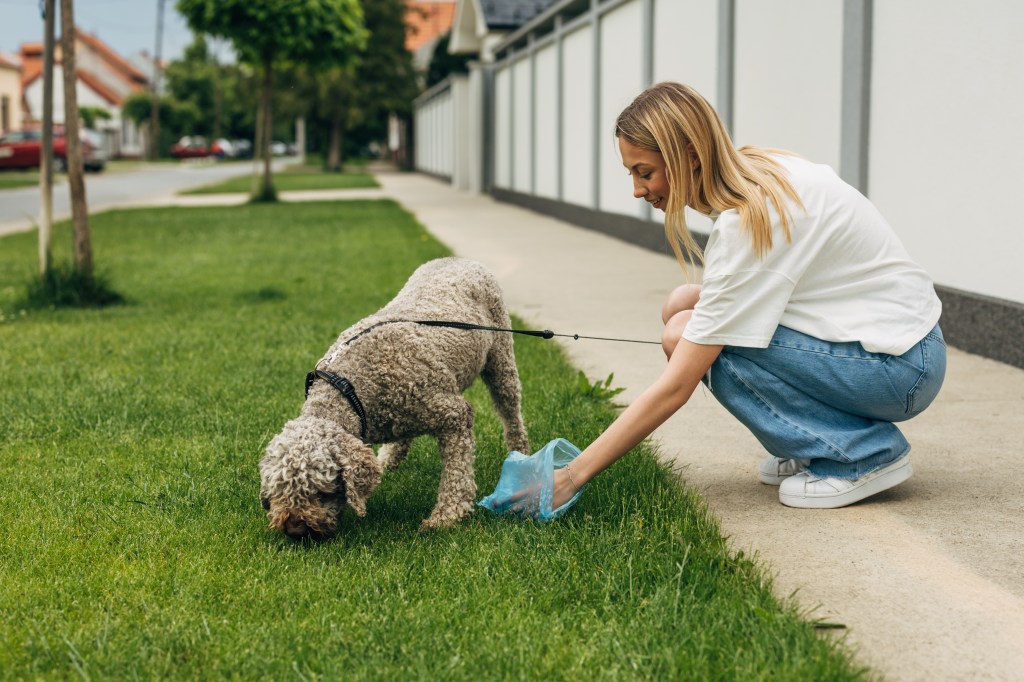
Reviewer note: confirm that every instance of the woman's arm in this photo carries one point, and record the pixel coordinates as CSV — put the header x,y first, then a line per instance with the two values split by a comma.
x,y
688,364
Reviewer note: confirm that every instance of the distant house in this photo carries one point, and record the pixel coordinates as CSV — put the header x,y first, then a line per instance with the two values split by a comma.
x,y
480,25
10,93
426,21
104,81
453,131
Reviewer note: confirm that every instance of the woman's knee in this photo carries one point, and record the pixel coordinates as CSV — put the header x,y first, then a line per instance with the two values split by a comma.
x,y
673,331
682,298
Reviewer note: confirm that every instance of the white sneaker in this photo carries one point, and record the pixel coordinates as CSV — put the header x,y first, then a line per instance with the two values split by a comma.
x,y
775,470
807,491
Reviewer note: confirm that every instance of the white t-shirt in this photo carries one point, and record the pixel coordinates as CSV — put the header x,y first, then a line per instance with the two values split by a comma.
x,y
845,276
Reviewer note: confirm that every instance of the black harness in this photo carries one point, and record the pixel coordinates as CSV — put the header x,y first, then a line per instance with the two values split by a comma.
x,y
344,387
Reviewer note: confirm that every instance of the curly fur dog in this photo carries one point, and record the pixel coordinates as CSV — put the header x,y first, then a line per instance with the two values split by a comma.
x,y
408,381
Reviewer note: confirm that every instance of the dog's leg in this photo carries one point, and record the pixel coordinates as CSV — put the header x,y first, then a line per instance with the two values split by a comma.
x,y
457,490
391,455
502,380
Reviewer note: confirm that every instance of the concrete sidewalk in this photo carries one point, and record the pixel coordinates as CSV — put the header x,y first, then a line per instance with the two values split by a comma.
x,y
928,577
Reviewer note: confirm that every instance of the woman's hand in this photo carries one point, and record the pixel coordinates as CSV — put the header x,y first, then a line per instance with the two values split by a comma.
x,y
525,502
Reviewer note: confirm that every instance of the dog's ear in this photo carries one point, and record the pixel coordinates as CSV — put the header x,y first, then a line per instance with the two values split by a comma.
x,y
359,469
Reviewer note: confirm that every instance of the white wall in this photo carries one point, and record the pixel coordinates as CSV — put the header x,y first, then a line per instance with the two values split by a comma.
x,y
435,143
545,116
462,131
503,128
578,117
789,71
686,44
947,127
621,80
522,126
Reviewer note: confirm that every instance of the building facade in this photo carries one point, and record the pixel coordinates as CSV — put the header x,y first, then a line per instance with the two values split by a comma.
x,y
104,80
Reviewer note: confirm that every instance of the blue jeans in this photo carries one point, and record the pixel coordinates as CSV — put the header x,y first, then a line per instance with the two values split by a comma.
x,y
831,403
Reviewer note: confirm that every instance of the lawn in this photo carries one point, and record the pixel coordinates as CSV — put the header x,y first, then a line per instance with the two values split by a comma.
x,y
295,178
133,544
11,179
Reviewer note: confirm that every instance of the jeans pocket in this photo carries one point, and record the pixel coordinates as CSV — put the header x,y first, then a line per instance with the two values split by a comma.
x,y
917,375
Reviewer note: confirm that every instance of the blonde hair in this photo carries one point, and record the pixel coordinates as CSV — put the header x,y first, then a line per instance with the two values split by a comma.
x,y
667,118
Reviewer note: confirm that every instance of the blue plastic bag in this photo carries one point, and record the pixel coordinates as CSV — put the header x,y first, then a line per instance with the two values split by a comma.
x,y
534,475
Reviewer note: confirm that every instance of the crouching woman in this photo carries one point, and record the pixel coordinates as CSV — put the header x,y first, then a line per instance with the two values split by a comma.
x,y
812,325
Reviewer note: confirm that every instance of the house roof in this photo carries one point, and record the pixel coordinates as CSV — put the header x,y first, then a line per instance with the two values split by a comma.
x,y
511,14
121,65
32,67
427,20
479,23
31,62
99,88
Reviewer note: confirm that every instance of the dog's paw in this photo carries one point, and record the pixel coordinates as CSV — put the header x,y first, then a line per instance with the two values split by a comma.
x,y
446,518
431,523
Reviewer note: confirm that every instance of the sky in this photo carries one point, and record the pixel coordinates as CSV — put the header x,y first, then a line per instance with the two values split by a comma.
x,y
127,26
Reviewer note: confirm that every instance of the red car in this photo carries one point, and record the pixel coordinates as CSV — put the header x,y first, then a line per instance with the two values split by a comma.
x,y
191,148
23,149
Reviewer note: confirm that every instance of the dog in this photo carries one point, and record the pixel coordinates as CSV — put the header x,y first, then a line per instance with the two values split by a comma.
x,y
386,380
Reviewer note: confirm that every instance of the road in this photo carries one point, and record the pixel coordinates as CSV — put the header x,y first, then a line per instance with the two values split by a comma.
x,y
141,185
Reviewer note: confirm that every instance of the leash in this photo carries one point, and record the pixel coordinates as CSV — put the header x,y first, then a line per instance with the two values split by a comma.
x,y
345,387
544,334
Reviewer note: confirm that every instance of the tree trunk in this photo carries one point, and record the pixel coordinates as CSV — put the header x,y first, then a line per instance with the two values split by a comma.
x,y
267,193
76,181
257,152
46,163
300,139
334,146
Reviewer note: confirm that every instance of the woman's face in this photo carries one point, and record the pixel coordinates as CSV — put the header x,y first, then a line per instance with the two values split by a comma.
x,y
647,168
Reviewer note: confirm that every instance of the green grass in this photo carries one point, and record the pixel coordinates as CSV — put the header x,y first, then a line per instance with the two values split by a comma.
x,y
132,544
293,179
16,179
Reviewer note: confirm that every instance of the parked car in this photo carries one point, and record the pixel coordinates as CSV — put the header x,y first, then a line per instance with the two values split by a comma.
x,y
222,149
190,147
24,149
242,148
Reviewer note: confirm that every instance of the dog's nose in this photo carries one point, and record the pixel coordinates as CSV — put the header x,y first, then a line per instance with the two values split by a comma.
x,y
296,528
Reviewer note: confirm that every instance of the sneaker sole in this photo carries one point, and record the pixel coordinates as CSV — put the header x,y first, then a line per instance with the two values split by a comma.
x,y
872,484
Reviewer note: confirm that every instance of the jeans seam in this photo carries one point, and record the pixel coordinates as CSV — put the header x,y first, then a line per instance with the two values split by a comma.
x,y
814,436
912,394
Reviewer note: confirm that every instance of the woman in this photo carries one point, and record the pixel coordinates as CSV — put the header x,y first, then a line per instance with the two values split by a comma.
x,y
812,326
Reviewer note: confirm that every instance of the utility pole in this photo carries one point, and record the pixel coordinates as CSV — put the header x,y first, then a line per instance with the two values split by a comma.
x,y
154,128
46,163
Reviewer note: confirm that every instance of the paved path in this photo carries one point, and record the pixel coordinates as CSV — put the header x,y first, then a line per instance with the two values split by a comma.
x,y
927,577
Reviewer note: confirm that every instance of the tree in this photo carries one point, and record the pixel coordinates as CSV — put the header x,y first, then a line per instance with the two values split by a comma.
x,y
442,63
354,103
177,118
76,181
203,97
319,33
92,114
